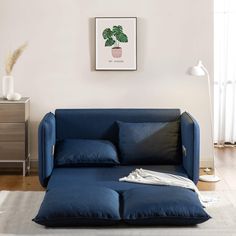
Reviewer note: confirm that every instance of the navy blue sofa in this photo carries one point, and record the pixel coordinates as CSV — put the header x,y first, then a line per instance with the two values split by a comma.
x,y
92,194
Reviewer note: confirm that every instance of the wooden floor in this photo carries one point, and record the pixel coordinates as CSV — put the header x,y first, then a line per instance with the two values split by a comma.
x,y
225,161
15,181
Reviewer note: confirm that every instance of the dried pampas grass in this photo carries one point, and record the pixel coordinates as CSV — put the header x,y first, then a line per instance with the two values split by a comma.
x,y
13,57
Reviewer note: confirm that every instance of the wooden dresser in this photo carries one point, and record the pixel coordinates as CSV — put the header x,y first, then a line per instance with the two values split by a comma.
x,y
14,131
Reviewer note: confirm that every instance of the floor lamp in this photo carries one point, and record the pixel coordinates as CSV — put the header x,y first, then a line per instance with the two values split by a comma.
x,y
200,70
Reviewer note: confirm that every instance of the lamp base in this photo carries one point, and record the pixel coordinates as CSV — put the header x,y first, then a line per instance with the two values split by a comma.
x,y
209,178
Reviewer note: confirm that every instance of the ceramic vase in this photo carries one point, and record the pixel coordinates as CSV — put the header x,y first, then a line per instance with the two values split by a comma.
x,y
7,85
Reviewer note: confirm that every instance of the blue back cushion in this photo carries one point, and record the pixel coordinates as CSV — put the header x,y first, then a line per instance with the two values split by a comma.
x,y
150,143
84,152
101,123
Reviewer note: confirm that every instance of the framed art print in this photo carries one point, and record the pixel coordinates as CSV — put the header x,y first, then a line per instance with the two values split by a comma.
x,y
116,43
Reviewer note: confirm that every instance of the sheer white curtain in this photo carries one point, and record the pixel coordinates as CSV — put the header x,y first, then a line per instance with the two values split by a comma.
x,y
225,71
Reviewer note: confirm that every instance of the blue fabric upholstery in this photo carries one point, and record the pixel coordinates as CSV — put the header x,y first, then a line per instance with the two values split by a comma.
x,y
90,195
162,205
101,123
104,176
84,123
46,140
150,143
84,152
79,206
191,141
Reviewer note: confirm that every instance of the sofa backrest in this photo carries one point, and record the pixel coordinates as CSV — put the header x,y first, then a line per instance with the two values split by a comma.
x,y
101,123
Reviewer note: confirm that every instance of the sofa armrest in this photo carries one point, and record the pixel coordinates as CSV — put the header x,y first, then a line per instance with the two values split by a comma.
x,y
190,135
46,142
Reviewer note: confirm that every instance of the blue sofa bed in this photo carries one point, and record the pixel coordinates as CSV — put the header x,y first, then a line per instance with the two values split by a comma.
x,y
84,152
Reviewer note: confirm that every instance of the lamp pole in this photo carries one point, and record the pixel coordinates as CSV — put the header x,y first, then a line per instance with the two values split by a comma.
x,y
211,105
200,70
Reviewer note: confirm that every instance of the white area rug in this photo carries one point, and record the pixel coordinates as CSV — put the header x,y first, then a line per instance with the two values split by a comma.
x,y
18,208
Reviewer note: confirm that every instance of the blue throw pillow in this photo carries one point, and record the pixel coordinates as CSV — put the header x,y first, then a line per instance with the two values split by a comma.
x,y
84,152
150,143
162,205
79,206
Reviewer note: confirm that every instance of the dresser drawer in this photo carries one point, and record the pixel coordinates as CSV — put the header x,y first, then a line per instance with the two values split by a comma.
x,y
12,112
12,132
12,151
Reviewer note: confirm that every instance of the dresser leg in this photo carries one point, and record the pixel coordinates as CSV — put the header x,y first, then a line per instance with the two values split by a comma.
x,y
23,168
28,165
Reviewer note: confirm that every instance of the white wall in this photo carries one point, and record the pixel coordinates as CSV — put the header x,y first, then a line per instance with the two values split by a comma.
x,y
57,70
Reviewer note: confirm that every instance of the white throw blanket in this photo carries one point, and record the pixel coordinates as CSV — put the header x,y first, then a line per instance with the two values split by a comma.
x,y
157,178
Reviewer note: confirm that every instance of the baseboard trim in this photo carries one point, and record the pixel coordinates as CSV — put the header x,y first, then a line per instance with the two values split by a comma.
x,y
206,163
34,164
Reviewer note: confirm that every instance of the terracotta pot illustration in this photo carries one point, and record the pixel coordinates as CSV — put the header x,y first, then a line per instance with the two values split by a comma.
x,y
116,52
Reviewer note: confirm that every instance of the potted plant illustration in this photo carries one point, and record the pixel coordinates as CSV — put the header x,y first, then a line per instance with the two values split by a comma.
x,y
115,36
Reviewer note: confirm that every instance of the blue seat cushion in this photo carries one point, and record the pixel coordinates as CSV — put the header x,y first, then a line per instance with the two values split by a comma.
x,y
103,176
162,205
85,152
150,143
79,206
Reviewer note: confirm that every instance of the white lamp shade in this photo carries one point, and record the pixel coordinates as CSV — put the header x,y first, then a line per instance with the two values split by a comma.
x,y
197,71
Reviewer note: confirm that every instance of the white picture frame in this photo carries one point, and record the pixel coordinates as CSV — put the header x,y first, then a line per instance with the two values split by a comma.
x,y
116,43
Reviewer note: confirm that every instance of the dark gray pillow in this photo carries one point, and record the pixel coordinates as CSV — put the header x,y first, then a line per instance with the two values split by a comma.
x,y
150,143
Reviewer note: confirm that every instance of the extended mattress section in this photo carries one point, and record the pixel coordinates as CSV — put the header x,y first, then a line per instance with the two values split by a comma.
x,y
100,206
94,196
